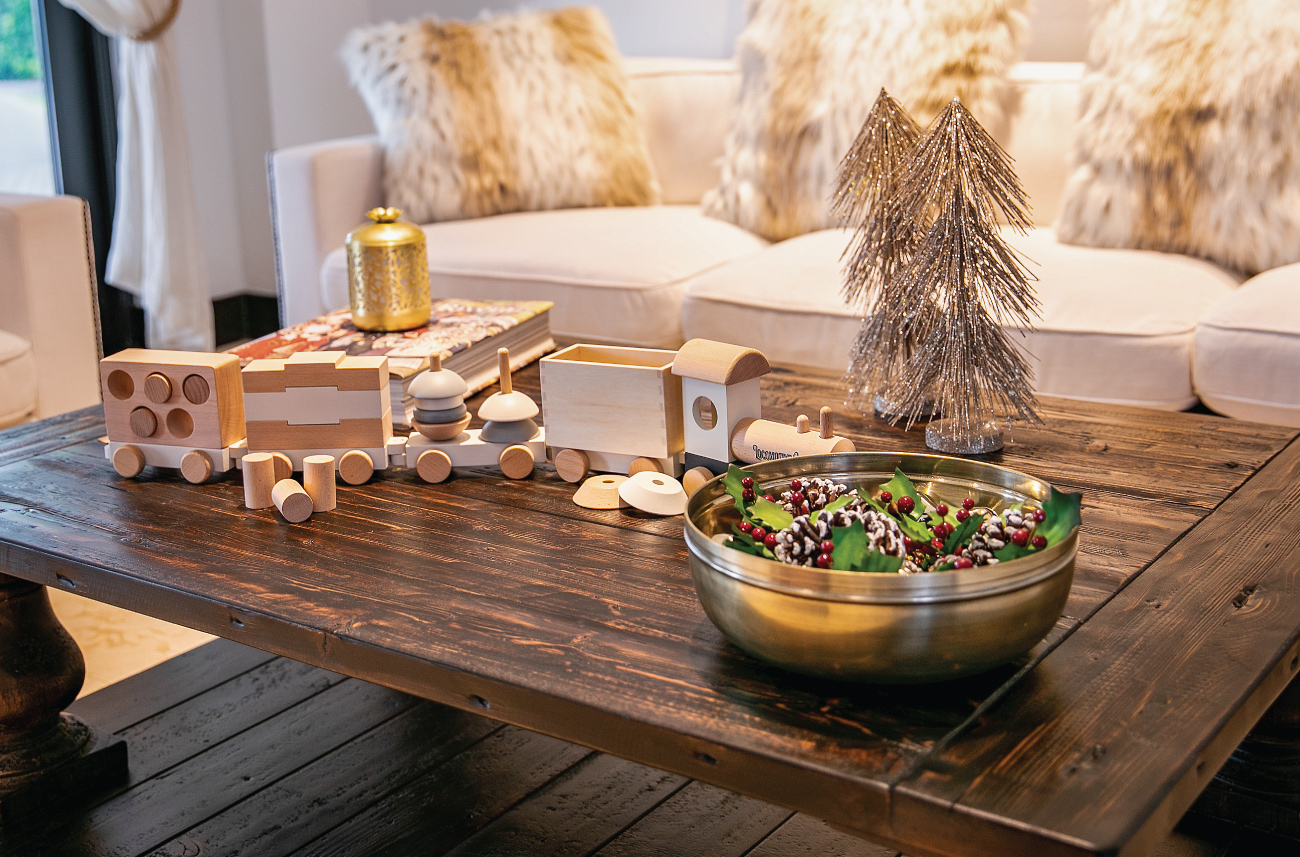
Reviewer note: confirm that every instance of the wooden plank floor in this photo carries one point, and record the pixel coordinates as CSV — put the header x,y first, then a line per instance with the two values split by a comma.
x,y
236,752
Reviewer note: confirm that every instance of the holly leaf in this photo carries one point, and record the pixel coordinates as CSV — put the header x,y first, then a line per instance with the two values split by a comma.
x,y
901,486
833,507
1061,516
731,483
962,534
770,515
745,543
853,552
1012,551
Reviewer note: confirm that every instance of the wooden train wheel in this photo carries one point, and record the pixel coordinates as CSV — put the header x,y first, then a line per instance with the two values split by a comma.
x,y
433,465
640,464
355,467
516,461
572,465
196,466
128,461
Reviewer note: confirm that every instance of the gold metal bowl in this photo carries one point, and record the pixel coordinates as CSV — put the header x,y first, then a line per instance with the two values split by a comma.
x,y
886,628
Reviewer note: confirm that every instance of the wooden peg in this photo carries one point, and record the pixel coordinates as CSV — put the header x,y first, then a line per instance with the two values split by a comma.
x,y
196,466
572,465
828,424
158,388
293,502
128,461
196,389
356,467
435,362
318,480
259,478
801,424
144,422
516,461
503,365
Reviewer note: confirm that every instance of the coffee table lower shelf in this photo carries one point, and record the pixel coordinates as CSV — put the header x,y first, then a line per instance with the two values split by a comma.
x,y
234,750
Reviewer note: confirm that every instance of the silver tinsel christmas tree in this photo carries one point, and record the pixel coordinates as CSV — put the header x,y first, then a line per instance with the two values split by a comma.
x,y
885,236
960,285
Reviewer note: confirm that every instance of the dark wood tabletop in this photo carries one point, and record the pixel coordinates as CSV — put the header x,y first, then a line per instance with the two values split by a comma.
x,y
507,599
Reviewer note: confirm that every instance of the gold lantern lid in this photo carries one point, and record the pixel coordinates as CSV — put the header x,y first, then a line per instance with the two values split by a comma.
x,y
385,231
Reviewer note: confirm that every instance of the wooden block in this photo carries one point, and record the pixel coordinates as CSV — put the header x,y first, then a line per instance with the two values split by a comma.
x,y
318,480
442,431
517,461
128,461
259,478
695,478
572,465
157,388
346,434
644,465
356,467
317,369
144,422
293,502
282,466
612,399
600,492
300,406
169,384
196,466
719,363
763,440
433,465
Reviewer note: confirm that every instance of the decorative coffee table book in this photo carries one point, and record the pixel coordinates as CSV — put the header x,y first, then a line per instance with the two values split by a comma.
x,y
453,331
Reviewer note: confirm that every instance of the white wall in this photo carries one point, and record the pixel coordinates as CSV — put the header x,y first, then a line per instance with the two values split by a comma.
x,y
259,75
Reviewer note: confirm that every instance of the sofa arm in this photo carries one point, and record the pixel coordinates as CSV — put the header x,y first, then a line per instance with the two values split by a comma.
x,y
319,193
48,296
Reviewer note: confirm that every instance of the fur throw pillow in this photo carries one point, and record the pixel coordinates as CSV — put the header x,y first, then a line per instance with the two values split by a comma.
x,y
1186,139
811,69
510,113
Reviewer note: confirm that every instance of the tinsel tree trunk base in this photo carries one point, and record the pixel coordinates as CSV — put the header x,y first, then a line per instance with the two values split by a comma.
x,y
886,410
947,436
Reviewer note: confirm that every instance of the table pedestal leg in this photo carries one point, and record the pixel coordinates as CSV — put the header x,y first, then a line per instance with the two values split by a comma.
x,y
47,759
1259,785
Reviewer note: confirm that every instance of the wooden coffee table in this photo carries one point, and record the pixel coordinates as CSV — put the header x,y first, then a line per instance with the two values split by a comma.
x,y
506,599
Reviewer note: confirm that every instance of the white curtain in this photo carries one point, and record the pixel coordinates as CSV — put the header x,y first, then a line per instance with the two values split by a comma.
x,y
155,251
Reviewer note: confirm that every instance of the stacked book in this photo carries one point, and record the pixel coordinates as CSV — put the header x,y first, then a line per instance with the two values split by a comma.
x,y
466,333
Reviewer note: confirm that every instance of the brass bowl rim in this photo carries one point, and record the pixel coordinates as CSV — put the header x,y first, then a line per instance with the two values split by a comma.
x,y
869,587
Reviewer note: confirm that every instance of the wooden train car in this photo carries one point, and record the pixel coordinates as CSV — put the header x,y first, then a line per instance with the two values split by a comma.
x,y
172,409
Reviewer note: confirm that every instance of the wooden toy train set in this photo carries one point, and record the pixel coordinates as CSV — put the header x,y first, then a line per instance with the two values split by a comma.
x,y
654,414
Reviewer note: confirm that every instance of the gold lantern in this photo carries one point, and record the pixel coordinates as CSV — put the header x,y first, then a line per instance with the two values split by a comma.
x,y
388,273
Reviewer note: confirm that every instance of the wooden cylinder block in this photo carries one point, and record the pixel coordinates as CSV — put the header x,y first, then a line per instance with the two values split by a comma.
x,y
128,461
196,389
157,388
259,478
356,467
196,466
763,440
293,502
433,465
516,461
572,465
144,422
318,480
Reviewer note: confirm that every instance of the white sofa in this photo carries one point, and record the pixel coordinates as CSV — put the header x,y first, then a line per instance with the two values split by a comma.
x,y
49,326
1117,325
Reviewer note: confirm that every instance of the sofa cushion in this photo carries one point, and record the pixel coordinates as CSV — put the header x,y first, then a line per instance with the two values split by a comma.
x,y
17,379
1246,356
1117,325
615,274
